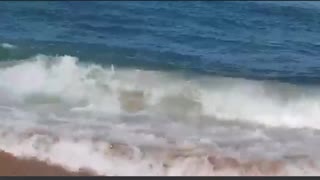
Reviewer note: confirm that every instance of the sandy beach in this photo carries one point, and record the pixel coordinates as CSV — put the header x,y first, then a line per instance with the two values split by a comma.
x,y
12,166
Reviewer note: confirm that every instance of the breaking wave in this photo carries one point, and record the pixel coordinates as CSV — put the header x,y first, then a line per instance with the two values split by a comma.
x,y
93,88
154,122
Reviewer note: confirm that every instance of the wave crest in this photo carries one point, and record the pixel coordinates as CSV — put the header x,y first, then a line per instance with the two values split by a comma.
x,y
93,88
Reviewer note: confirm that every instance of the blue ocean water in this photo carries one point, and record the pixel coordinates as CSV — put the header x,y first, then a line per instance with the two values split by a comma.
x,y
162,87
264,40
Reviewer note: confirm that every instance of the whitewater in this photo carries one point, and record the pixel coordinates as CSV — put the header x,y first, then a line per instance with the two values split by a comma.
x,y
126,121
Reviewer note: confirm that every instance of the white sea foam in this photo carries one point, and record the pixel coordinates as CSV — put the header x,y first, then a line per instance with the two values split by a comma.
x,y
8,46
94,88
113,159
87,107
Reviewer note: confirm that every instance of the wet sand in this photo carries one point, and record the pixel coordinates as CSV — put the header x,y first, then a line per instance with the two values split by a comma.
x,y
218,165
12,166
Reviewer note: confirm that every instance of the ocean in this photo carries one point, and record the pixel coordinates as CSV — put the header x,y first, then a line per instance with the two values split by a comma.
x,y
162,88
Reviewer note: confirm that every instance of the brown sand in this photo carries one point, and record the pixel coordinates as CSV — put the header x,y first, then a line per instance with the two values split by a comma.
x,y
12,166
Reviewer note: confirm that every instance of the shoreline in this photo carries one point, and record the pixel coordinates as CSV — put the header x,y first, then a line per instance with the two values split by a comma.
x,y
13,166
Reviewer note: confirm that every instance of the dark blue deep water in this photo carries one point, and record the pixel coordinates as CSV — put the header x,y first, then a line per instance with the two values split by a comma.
x,y
255,40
